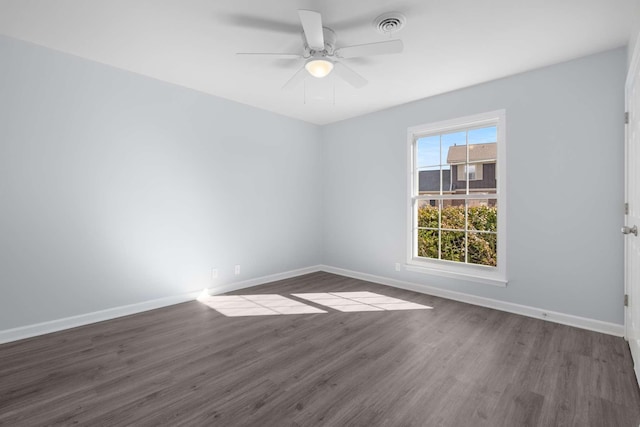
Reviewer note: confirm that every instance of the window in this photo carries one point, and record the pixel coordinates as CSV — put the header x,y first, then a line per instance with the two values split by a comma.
x,y
474,171
457,220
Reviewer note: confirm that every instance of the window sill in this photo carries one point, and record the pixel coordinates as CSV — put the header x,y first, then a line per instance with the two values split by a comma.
x,y
468,276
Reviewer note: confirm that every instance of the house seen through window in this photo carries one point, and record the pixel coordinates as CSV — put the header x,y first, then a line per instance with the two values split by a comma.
x,y
455,196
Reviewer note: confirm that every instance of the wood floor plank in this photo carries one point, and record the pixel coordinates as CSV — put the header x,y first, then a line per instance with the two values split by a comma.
x,y
452,365
518,407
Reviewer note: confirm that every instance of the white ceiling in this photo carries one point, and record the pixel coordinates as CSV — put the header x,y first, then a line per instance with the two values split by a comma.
x,y
449,44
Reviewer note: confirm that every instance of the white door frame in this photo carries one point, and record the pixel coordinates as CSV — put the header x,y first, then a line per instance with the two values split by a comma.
x,y
633,73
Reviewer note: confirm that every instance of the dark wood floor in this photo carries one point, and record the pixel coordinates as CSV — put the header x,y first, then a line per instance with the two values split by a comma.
x,y
455,365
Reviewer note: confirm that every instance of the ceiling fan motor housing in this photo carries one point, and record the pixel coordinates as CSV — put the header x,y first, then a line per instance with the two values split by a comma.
x,y
329,43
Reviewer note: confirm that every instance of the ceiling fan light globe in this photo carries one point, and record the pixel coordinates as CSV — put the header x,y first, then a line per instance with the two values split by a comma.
x,y
319,67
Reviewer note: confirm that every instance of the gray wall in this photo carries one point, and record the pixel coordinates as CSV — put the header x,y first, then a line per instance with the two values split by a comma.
x,y
116,188
564,128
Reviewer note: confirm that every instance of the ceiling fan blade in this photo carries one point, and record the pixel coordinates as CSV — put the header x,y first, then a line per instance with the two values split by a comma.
x,y
312,26
271,55
369,49
350,76
295,80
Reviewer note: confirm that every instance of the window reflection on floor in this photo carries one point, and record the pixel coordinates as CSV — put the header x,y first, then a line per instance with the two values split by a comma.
x,y
273,304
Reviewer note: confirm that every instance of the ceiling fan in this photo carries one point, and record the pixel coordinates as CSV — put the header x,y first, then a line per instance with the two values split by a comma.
x,y
323,57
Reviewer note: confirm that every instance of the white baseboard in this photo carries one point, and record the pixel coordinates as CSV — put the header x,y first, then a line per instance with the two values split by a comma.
x,y
538,313
29,331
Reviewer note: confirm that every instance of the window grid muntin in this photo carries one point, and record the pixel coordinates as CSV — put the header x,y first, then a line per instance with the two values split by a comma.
x,y
416,197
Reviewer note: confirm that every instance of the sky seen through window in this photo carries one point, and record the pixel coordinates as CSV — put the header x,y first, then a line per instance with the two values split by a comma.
x,y
431,156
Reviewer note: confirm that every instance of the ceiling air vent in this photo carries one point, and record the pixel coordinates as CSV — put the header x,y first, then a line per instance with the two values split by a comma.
x,y
389,23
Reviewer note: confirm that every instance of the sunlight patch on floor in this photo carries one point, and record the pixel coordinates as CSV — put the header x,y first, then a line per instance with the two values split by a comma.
x,y
257,305
274,304
359,301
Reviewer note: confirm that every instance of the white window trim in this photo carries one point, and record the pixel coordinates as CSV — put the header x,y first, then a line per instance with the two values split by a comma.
x,y
476,273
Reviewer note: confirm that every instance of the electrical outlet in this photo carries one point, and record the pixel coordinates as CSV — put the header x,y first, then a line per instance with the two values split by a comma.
x,y
398,266
237,269
214,273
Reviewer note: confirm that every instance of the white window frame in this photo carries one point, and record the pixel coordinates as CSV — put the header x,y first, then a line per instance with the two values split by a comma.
x,y
477,273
